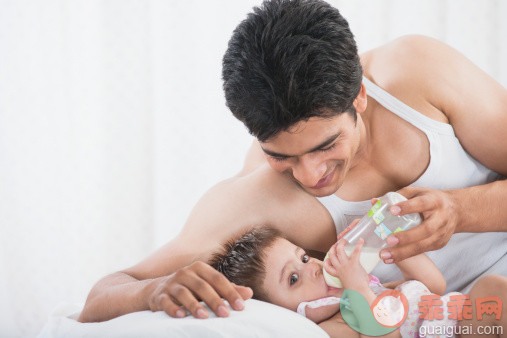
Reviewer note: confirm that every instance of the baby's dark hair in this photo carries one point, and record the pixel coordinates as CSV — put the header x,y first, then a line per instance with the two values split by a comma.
x,y
242,260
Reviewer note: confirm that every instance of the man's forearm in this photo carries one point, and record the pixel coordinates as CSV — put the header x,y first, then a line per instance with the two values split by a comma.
x,y
116,295
481,208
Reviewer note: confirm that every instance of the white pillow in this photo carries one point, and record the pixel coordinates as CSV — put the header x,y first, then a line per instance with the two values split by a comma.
x,y
258,319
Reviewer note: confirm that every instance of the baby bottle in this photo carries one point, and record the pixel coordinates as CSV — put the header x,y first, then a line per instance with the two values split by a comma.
x,y
374,228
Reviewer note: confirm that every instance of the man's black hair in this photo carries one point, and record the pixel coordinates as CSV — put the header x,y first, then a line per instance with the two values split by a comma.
x,y
288,61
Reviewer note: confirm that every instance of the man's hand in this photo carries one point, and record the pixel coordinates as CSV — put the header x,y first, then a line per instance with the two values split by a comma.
x,y
348,269
440,218
195,282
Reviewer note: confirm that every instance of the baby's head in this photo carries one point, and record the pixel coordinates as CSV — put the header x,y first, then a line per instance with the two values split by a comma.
x,y
278,271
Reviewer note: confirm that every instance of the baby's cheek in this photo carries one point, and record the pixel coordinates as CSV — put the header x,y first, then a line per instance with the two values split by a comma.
x,y
318,293
288,300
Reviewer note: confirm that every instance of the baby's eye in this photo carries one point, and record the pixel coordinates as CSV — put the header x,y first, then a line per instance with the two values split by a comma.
x,y
293,278
305,258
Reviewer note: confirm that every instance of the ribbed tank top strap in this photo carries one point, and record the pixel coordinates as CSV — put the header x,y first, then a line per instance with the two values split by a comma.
x,y
404,111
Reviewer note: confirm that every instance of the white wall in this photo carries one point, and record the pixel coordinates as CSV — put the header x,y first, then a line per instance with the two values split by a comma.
x,y
113,124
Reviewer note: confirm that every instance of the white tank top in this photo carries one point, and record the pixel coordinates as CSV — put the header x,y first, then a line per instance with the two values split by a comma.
x,y
467,256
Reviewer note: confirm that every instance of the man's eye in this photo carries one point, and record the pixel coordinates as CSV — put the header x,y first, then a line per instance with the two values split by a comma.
x,y
278,159
293,278
328,148
305,258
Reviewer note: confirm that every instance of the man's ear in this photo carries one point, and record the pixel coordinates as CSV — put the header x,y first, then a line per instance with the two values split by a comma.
x,y
361,100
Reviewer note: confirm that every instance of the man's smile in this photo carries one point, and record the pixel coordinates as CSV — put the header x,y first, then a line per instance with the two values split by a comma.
x,y
324,181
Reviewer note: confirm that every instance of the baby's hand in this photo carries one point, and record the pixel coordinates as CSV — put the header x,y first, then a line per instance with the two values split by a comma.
x,y
348,269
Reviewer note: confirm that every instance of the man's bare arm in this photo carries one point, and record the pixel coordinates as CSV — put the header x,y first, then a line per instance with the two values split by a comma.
x,y
115,295
475,105
167,275
228,209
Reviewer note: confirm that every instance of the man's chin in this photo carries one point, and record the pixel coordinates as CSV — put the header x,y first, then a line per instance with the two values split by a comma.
x,y
327,190
322,192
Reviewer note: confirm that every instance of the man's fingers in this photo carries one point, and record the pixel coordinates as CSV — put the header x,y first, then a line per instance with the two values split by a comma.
x,y
210,293
168,306
402,252
183,296
405,237
244,291
203,282
224,288
410,192
198,281
424,237
416,204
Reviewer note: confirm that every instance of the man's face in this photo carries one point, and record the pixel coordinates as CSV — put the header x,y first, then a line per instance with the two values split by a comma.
x,y
316,153
293,277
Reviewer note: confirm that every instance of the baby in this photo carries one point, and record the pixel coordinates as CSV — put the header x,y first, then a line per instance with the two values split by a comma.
x,y
282,273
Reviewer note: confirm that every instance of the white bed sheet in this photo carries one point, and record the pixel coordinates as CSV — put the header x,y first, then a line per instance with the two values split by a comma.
x,y
259,319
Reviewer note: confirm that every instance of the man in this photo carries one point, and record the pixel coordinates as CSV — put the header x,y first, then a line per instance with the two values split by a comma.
x,y
330,122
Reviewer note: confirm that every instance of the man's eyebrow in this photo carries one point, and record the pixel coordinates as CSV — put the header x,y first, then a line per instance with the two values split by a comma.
x,y
285,266
322,145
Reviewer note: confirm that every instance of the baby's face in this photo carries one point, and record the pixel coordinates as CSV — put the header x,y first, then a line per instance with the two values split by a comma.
x,y
293,277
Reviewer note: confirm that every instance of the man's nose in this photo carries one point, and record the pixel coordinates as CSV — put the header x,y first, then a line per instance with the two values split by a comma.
x,y
308,171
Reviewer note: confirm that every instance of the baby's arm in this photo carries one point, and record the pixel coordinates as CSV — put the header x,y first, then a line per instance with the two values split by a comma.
x,y
348,269
422,269
353,276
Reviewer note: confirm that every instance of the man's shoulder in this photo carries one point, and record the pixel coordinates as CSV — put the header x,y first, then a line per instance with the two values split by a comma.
x,y
275,188
281,203
415,59
413,69
411,51
264,178
414,44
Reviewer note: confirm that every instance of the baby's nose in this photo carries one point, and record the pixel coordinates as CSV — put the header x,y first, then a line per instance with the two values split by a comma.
x,y
315,269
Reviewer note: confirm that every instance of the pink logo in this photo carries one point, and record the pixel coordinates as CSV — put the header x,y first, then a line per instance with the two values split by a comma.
x,y
390,308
